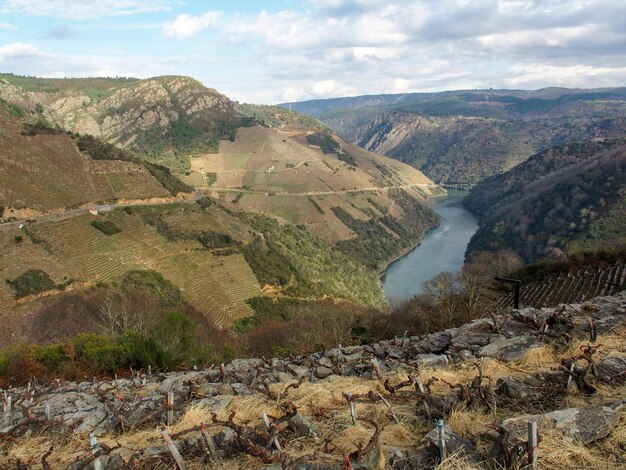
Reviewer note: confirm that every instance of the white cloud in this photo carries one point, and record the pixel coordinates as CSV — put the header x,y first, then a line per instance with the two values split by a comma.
x,y
538,75
28,59
346,47
186,26
7,26
324,48
86,9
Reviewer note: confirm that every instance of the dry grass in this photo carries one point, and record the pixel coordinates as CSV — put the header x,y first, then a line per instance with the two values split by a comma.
x,y
324,404
470,423
538,359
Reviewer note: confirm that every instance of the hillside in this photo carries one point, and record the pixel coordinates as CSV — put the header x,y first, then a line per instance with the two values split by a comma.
x,y
319,181
47,171
361,406
568,283
281,209
162,117
457,138
563,199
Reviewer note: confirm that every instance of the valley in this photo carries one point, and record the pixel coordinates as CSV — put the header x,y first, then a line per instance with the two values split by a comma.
x,y
458,138
276,213
313,235
135,238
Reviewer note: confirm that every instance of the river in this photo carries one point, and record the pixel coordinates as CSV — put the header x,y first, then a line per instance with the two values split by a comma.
x,y
442,249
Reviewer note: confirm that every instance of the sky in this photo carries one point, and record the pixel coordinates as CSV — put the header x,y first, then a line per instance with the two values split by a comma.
x,y
292,50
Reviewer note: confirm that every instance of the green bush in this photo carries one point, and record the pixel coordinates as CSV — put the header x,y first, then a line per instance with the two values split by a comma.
x,y
98,353
52,357
106,226
153,282
170,182
205,202
33,281
211,240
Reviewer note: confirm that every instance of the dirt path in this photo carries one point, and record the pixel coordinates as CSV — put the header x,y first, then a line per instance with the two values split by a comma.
x,y
323,193
266,170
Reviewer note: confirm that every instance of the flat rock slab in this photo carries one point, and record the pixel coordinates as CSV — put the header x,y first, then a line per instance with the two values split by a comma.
x,y
586,424
454,443
510,349
612,369
430,361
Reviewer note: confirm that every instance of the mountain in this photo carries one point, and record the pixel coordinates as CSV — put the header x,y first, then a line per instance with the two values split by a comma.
x,y
254,203
457,138
566,198
161,117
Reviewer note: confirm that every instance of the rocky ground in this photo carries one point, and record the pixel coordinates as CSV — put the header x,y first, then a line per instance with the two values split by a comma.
x,y
371,406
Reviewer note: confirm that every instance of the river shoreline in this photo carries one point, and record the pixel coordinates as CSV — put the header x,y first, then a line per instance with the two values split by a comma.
x,y
407,250
441,248
410,248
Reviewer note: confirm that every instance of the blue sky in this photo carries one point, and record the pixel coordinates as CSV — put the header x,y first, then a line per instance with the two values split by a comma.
x,y
275,51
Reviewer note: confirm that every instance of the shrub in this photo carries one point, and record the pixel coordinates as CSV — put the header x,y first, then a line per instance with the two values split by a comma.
x,y
205,202
212,240
164,176
175,333
33,281
153,282
106,226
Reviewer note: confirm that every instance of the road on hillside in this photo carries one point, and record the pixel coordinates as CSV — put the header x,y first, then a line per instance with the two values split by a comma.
x,y
66,214
323,193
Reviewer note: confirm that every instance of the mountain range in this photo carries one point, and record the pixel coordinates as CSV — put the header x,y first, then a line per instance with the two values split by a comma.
x,y
458,138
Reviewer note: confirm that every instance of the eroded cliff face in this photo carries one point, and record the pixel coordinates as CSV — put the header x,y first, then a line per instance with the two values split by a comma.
x,y
457,150
136,114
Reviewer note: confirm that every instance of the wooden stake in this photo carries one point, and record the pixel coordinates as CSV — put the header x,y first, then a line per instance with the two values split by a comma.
x,y
170,408
533,449
352,405
173,450
376,367
571,376
210,444
269,426
420,386
95,448
395,418
7,403
441,440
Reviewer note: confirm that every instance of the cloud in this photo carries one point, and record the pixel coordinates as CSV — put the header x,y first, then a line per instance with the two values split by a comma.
x,y
329,48
186,26
7,26
85,9
61,32
29,59
339,47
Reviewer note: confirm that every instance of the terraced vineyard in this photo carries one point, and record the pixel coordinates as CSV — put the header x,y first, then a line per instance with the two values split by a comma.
x,y
571,287
72,248
278,172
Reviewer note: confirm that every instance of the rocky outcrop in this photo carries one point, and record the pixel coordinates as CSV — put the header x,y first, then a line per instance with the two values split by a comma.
x,y
136,114
585,425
